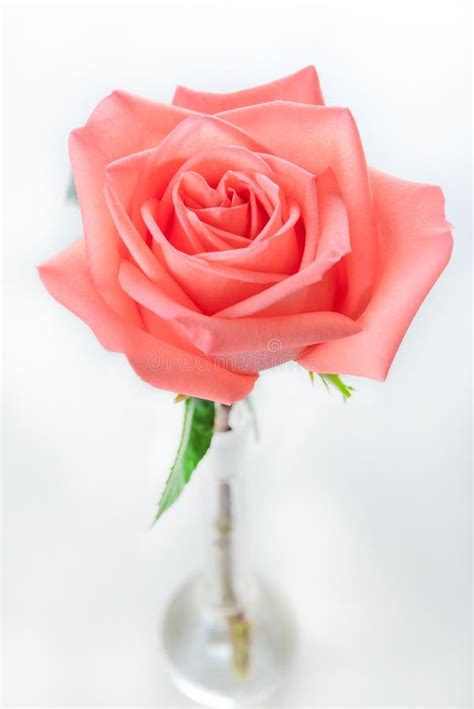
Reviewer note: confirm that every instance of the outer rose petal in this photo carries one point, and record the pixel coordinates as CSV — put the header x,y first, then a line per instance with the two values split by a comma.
x,y
302,87
120,125
416,244
68,280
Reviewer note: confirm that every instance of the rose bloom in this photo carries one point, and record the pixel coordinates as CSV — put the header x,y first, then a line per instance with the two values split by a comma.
x,y
228,233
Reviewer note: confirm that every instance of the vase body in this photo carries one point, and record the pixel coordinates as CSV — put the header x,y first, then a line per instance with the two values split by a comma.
x,y
227,639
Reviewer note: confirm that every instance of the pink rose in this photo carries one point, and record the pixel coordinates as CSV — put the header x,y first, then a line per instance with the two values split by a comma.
x,y
216,246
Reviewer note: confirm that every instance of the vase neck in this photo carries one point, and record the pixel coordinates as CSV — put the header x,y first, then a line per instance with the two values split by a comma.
x,y
225,569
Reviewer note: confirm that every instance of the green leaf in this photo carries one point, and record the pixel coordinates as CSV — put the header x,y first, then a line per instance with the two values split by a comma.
x,y
335,381
196,436
311,377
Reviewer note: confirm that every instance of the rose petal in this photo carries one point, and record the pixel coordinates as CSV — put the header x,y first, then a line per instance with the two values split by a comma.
x,y
121,176
416,244
214,238
121,124
306,290
68,279
302,87
276,252
197,193
219,336
211,286
326,138
234,220
300,185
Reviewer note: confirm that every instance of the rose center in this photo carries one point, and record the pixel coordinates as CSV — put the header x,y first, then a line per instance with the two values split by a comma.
x,y
227,214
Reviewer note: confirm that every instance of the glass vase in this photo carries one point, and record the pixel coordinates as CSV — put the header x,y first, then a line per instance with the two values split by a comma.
x,y
228,640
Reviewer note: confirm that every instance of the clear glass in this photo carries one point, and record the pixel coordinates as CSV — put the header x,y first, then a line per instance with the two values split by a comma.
x,y
226,637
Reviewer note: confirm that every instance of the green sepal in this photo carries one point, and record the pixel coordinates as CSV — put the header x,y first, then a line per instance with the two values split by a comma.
x,y
196,436
71,193
179,398
335,381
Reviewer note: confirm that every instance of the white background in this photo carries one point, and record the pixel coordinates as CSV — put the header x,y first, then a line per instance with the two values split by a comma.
x,y
360,514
